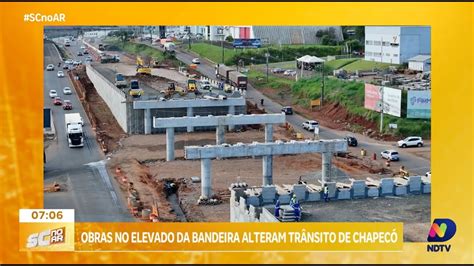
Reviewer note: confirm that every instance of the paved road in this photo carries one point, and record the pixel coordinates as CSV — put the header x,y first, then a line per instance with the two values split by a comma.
x,y
90,191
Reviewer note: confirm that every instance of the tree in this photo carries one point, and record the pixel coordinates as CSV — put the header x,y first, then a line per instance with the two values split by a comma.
x,y
229,39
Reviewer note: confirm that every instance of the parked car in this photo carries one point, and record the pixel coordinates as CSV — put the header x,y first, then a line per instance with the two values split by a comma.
x,y
391,155
278,70
53,93
351,141
410,142
310,125
196,61
79,53
60,74
289,72
67,91
50,67
67,105
57,101
287,110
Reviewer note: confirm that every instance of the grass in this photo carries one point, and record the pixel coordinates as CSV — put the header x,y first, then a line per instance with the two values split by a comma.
x,y
135,48
366,65
258,79
212,52
351,95
338,63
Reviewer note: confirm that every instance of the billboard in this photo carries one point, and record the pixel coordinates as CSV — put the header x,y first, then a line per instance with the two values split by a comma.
x,y
392,99
419,104
247,43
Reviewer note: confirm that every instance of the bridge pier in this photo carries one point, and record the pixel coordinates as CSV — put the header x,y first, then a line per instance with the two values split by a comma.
x,y
147,122
326,167
206,182
189,113
169,144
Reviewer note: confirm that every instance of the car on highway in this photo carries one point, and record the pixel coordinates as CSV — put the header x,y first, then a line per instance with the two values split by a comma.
x,y
80,53
391,155
50,67
351,141
410,142
69,61
77,63
86,52
65,66
287,110
310,125
196,61
67,91
53,93
83,47
57,101
60,74
278,70
67,105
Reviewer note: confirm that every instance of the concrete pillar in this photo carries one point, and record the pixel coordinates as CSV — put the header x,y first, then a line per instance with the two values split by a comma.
x,y
231,112
268,133
267,167
147,121
326,169
170,144
206,182
220,134
190,114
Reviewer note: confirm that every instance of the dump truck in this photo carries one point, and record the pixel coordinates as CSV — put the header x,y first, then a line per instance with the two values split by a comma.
x,y
169,47
192,85
120,81
74,134
135,90
238,80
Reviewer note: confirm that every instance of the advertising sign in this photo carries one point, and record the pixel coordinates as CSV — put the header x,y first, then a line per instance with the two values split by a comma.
x,y
392,101
372,97
419,104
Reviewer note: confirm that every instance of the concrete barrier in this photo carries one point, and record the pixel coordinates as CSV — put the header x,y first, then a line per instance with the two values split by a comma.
x,y
386,186
112,96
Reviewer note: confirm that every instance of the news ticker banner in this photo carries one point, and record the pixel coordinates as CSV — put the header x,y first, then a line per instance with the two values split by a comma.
x,y
42,230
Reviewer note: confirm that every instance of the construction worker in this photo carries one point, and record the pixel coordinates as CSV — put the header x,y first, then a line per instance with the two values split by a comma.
x,y
293,200
277,208
326,193
261,101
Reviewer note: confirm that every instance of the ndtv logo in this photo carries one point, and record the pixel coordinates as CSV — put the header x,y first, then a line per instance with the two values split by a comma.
x,y
46,238
441,230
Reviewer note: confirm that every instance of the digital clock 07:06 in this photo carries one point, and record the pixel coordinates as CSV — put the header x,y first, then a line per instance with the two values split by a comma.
x,y
46,215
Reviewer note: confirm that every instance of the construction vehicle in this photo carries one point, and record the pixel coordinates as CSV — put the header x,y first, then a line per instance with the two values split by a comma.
x,y
192,85
143,66
120,81
106,58
231,76
135,90
74,134
169,47
101,47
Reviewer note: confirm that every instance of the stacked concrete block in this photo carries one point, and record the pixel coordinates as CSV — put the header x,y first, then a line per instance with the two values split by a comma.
x,y
414,184
269,194
372,191
386,186
425,185
358,189
253,200
401,190
300,192
283,195
343,193
331,189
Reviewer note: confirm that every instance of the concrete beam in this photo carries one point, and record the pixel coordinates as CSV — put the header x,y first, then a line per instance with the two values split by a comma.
x,y
262,149
156,104
225,120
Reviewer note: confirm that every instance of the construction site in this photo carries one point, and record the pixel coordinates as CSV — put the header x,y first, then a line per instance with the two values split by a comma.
x,y
206,153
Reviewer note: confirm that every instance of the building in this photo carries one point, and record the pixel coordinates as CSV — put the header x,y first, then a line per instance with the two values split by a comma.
x,y
420,63
396,45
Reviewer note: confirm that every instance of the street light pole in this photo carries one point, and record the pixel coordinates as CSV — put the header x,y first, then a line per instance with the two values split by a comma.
x,y
322,88
267,55
222,44
381,110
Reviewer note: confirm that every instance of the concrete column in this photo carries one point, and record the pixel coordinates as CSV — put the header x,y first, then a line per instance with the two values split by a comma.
x,y
268,133
231,112
147,121
326,169
267,167
206,182
220,134
190,114
170,144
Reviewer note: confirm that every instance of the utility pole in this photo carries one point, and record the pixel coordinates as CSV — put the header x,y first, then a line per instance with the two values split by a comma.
x,y
267,55
189,41
322,88
381,110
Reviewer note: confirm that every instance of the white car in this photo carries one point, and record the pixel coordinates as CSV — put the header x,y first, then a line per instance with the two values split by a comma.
x,y
53,93
50,67
310,125
60,74
196,61
411,142
83,47
67,91
77,63
391,155
69,61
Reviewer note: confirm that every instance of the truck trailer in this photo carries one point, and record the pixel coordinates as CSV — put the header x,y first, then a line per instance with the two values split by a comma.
x,y
231,76
74,133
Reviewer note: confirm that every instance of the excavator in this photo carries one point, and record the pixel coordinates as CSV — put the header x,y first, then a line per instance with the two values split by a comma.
x,y
143,66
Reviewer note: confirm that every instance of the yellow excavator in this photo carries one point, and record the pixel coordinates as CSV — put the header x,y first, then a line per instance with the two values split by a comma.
x,y
143,66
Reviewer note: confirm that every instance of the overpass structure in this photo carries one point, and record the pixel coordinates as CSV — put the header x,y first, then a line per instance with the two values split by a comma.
x,y
220,122
206,153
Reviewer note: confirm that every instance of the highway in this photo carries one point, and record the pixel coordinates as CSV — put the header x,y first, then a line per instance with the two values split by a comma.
x,y
81,171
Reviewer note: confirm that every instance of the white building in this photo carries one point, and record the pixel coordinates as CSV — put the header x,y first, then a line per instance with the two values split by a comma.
x,y
396,45
420,63
97,33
